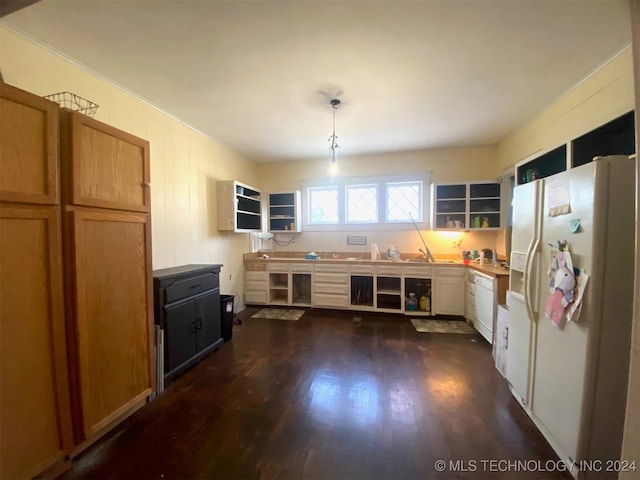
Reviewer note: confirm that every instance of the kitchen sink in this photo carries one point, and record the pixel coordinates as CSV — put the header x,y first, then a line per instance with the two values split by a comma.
x,y
422,260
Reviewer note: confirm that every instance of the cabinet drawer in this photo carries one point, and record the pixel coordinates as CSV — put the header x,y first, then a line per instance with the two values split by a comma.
x,y
255,267
301,268
471,288
471,299
325,300
255,296
336,278
191,286
255,285
450,271
340,289
256,276
362,269
418,272
331,268
279,267
388,270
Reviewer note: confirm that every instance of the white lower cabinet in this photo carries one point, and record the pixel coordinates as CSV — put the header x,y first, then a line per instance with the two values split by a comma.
x,y
449,291
255,287
359,286
330,286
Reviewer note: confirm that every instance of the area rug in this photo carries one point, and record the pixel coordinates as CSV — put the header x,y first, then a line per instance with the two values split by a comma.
x,y
441,326
279,314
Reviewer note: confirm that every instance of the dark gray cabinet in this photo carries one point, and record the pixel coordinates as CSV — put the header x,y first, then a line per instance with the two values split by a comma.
x,y
187,310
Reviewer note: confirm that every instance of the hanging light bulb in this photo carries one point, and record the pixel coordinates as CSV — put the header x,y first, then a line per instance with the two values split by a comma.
x,y
333,167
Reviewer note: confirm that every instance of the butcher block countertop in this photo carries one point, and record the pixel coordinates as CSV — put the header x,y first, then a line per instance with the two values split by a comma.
x,y
358,258
489,270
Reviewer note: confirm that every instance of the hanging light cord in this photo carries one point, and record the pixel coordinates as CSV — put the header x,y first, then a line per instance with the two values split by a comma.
x,y
333,138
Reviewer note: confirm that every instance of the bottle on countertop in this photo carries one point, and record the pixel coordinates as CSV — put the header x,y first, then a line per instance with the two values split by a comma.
x,y
481,257
495,258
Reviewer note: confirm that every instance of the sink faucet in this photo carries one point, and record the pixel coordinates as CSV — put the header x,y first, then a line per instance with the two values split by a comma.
x,y
426,257
428,254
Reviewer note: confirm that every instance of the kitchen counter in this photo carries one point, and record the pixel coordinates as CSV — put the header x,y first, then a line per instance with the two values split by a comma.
x,y
489,270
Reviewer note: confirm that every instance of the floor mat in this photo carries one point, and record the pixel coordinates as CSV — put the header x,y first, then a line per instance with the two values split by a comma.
x,y
441,326
279,314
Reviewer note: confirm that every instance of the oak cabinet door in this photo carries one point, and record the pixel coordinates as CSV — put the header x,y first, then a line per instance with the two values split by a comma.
x,y
112,294
104,167
35,421
29,147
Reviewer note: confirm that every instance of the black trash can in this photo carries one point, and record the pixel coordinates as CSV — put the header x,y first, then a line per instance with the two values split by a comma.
x,y
226,316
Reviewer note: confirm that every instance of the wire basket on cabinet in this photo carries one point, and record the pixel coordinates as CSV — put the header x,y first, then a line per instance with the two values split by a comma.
x,y
74,102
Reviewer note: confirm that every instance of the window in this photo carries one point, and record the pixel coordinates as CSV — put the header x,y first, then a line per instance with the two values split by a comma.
x,y
362,203
323,205
365,202
404,201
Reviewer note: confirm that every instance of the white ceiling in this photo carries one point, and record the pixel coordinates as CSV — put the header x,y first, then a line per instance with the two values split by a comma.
x,y
259,75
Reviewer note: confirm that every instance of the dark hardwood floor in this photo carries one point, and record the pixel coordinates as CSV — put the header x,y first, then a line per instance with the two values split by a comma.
x,y
322,398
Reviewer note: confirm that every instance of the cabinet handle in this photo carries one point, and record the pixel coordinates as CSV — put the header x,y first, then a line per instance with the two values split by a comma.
x,y
193,327
196,285
199,324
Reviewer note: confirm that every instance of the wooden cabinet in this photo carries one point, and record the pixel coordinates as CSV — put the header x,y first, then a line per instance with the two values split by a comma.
x,y
109,307
545,165
284,212
35,427
279,283
419,281
468,206
239,207
29,148
256,281
449,291
104,167
388,288
77,351
330,286
289,284
35,418
616,137
107,249
187,306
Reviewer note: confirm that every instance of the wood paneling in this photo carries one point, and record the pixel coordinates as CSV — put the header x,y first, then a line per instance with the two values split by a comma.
x,y
106,167
35,424
28,147
112,311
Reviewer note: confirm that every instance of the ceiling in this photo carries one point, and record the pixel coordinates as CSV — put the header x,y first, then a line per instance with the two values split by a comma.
x,y
259,75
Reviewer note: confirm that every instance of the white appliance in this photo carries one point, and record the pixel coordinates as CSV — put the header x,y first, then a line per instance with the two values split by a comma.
x,y
486,302
573,381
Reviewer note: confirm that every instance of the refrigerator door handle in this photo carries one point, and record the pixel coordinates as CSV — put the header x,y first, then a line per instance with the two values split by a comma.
x,y
529,284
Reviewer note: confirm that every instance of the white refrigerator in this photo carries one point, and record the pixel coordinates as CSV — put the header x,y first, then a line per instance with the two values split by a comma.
x,y
572,381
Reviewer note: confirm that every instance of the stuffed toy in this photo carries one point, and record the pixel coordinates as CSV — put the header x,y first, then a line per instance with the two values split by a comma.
x,y
560,294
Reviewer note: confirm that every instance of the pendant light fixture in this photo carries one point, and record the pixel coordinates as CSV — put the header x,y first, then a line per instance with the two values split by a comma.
x,y
333,168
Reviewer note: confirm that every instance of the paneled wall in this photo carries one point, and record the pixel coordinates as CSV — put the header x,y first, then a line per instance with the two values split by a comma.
x,y
604,95
185,164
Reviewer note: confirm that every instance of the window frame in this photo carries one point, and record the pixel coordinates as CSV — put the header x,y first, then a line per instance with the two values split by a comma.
x,y
341,185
